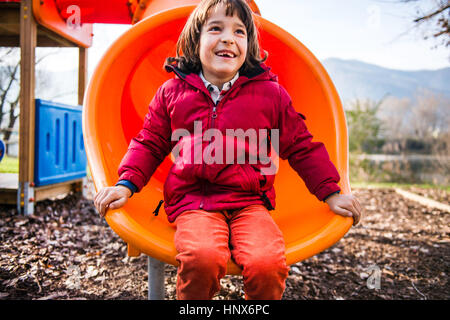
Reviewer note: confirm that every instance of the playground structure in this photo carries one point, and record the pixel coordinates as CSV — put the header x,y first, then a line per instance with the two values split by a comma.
x,y
2,150
116,102
20,26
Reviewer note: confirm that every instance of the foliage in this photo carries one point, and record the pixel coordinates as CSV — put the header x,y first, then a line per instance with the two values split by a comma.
x,y
363,125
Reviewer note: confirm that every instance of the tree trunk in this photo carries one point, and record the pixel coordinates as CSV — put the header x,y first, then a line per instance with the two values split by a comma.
x,y
12,121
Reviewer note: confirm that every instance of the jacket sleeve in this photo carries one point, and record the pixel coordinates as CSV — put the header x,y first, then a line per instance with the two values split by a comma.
x,y
309,159
150,146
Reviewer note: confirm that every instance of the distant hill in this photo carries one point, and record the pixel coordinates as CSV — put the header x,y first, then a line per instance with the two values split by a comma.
x,y
356,79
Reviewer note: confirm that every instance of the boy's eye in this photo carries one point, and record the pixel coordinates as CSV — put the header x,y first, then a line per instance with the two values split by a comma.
x,y
218,29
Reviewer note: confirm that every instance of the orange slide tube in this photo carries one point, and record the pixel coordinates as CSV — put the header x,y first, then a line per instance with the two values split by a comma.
x,y
116,102
55,14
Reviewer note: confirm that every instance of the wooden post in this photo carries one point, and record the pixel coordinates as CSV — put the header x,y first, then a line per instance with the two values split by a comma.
x,y
82,81
82,73
28,35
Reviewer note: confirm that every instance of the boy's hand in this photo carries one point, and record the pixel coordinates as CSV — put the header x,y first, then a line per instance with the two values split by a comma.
x,y
346,205
111,198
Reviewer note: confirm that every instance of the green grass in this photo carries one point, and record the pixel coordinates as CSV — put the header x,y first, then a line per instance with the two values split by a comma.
x,y
360,184
9,165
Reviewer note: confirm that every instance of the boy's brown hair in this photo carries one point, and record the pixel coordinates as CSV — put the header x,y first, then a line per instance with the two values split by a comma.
x,y
187,50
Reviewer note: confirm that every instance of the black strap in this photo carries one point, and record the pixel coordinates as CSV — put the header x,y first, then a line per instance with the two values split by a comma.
x,y
267,202
158,207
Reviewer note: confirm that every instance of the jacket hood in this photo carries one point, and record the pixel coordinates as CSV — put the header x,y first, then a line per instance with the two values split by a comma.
x,y
259,73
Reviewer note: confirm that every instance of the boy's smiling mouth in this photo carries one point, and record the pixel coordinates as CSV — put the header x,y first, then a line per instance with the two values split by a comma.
x,y
226,54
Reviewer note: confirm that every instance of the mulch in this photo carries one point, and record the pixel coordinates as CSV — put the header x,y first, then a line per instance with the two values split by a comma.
x,y
400,250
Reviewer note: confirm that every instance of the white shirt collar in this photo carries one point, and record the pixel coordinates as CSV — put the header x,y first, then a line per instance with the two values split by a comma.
x,y
226,85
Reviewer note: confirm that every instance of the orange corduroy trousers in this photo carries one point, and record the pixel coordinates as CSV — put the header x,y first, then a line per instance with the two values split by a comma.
x,y
205,240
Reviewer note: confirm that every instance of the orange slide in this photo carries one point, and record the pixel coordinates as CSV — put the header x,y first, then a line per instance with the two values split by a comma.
x,y
116,102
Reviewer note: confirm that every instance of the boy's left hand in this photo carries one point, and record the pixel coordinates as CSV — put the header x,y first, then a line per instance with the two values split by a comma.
x,y
346,205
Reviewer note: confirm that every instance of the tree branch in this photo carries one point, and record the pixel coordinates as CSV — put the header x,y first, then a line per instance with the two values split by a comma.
x,y
429,16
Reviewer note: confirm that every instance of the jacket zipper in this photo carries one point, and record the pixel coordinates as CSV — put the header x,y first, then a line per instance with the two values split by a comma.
x,y
213,118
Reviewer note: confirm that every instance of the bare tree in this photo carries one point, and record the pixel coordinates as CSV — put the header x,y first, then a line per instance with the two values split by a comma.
x,y
10,89
393,114
433,19
424,119
430,115
9,93
431,124
13,116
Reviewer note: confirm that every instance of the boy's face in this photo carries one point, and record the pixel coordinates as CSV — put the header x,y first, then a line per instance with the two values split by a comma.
x,y
221,33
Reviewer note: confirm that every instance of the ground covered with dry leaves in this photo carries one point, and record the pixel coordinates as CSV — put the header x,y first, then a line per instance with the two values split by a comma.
x,y
400,250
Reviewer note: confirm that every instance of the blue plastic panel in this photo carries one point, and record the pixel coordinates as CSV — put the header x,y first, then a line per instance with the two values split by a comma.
x,y
59,148
2,150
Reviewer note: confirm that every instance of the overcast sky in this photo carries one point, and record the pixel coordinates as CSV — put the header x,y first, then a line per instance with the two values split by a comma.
x,y
374,31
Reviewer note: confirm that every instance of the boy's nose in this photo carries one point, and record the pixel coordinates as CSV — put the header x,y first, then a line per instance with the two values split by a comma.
x,y
227,40
227,37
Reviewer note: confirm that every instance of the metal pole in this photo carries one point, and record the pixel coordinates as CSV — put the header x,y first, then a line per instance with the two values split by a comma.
x,y
156,290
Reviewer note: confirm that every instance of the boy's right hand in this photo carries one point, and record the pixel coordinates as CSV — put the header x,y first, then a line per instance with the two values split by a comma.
x,y
111,198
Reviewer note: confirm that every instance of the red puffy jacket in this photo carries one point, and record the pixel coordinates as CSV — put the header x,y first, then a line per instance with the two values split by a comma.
x,y
255,101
